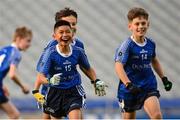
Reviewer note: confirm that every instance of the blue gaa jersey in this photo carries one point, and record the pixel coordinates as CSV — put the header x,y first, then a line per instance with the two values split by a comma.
x,y
65,66
76,42
136,59
8,55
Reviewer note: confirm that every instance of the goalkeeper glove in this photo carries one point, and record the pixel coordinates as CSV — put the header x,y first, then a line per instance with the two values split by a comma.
x,y
167,83
99,87
55,80
133,88
38,96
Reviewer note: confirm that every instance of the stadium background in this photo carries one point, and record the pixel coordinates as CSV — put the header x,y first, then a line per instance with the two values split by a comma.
x,y
102,25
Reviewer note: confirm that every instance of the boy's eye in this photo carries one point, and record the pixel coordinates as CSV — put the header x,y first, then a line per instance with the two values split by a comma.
x,y
143,23
73,24
136,24
61,32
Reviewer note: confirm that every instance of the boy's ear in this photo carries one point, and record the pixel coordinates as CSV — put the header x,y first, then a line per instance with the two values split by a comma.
x,y
129,25
53,35
18,39
148,24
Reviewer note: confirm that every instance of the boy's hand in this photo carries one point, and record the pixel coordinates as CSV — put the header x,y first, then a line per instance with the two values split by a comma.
x,y
133,88
6,91
38,96
99,87
55,80
167,84
25,89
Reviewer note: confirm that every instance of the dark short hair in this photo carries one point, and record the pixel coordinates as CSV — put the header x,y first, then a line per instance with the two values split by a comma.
x,y
61,23
137,12
64,13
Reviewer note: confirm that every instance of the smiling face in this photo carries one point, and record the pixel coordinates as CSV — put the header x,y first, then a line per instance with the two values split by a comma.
x,y
63,34
138,26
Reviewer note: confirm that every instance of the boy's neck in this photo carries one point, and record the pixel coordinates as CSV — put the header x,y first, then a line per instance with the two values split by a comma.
x,y
65,49
138,39
14,44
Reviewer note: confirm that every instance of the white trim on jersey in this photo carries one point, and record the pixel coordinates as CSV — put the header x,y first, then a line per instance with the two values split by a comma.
x,y
73,42
140,44
14,45
62,54
81,92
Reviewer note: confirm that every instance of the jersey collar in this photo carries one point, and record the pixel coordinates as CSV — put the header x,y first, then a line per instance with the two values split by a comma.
x,y
140,44
62,54
74,41
14,45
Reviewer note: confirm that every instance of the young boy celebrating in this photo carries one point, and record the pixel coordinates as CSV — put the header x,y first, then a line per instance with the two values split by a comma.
x,y
133,60
66,94
71,16
10,57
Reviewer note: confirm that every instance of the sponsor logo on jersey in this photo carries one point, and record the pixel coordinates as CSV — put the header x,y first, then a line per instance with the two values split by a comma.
x,y
57,68
66,62
140,67
143,51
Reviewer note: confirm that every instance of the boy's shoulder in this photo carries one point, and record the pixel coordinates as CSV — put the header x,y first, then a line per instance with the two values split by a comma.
x,y
52,48
77,49
78,42
9,48
51,43
126,42
77,39
150,40
49,50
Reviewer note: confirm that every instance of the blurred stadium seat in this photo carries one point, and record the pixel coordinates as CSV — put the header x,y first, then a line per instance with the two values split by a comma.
x,y
102,26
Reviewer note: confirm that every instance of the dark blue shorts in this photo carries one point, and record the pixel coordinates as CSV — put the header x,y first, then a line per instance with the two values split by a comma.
x,y
61,101
3,98
132,103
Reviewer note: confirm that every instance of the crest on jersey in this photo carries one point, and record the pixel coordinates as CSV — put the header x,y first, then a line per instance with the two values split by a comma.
x,y
66,62
120,53
143,51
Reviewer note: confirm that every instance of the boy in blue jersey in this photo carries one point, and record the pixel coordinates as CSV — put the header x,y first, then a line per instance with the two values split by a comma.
x,y
66,95
133,60
71,16
10,58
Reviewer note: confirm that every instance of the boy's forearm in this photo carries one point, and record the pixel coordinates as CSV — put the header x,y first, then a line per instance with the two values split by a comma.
x,y
90,73
40,79
157,67
16,79
121,73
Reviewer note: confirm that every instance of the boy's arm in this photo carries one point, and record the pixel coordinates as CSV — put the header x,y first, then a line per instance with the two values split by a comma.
x,y
40,79
121,73
157,67
6,91
13,75
98,84
90,73
125,80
